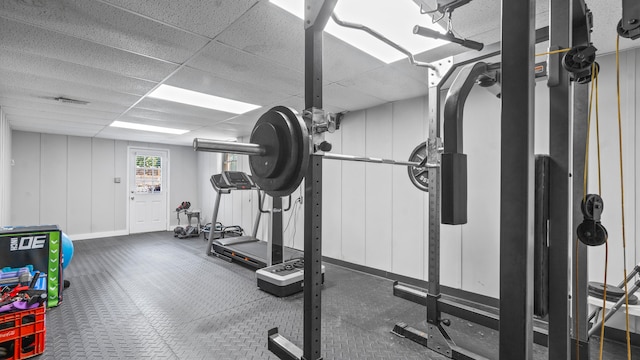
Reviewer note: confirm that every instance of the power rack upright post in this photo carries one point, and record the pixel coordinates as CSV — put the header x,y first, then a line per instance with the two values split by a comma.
x,y
317,13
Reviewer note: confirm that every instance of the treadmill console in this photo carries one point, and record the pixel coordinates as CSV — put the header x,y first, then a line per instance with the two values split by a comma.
x,y
237,180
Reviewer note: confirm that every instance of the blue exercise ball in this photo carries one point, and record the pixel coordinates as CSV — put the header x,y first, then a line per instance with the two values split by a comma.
x,y
67,250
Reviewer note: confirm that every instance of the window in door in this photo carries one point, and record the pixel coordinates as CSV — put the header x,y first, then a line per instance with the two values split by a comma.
x,y
148,174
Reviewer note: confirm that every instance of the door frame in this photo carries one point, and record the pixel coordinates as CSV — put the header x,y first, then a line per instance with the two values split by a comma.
x,y
168,185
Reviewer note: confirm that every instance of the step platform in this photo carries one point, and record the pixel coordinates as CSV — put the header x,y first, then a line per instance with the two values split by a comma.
x,y
283,279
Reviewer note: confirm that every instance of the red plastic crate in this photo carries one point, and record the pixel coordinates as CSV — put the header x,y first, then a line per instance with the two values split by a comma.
x,y
22,334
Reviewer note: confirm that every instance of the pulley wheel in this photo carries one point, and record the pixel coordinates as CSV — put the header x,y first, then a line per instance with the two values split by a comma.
x,y
592,233
579,58
419,176
284,136
589,204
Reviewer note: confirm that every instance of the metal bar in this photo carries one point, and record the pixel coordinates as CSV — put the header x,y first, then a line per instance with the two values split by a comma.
x,y
453,306
433,311
579,255
450,37
277,243
214,219
559,190
594,329
344,157
313,190
630,276
255,149
382,38
228,147
516,180
490,50
256,224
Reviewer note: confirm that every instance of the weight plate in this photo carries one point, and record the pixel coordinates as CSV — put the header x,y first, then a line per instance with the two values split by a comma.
x,y
271,163
419,176
597,288
284,134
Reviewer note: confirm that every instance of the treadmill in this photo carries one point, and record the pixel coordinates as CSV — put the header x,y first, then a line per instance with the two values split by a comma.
x,y
249,250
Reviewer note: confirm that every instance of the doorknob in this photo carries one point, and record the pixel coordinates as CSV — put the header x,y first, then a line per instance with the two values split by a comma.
x,y
132,198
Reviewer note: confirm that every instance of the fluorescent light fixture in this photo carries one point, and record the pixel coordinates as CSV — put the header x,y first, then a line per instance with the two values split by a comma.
x,y
190,97
143,127
394,19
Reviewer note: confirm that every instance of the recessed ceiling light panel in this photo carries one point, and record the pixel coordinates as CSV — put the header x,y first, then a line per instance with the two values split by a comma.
x,y
194,98
144,127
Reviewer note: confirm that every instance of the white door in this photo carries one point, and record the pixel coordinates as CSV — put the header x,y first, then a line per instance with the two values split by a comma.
x,y
148,189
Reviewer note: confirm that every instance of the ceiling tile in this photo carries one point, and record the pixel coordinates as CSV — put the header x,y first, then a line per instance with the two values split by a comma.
x,y
272,33
230,63
106,25
53,129
348,98
166,117
57,110
342,60
197,80
205,17
45,116
56,69
30,39
62,88
387,84
48,123
176,110
143,136
39,99
269,32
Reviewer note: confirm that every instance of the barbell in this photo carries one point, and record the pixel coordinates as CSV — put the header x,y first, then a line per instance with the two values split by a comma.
x,y
279,148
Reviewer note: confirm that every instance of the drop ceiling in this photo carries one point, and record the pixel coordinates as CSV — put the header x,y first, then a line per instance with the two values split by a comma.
x,y
112,53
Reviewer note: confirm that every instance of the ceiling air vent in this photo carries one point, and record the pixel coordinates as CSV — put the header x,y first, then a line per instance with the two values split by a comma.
x,y
70,101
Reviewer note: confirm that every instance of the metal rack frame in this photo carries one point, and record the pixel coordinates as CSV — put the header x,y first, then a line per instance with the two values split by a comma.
x,y
516,202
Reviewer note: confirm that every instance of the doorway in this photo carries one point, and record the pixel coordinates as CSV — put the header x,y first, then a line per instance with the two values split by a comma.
x,y
148,190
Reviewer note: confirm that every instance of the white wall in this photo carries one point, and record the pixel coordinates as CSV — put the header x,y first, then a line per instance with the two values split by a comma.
x,y
5,170
69,181
373,216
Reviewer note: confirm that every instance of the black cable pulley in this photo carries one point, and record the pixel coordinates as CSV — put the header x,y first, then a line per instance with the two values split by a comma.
x,y
631,31
591,231
578,61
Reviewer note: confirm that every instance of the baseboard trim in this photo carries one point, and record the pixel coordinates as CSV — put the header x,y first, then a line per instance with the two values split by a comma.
x,y
98,235
463,294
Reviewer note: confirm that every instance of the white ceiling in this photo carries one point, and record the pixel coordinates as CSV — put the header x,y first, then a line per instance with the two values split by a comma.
x,y
112,53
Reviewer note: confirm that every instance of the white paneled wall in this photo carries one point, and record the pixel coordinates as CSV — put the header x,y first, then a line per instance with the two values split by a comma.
x,y
373,215
69,181
5,170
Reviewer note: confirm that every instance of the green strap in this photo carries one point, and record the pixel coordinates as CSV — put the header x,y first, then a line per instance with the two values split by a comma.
x,y
53,273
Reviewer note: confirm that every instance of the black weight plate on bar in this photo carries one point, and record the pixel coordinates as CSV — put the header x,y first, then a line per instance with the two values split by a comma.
x,y
270,164
419,176
281,170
